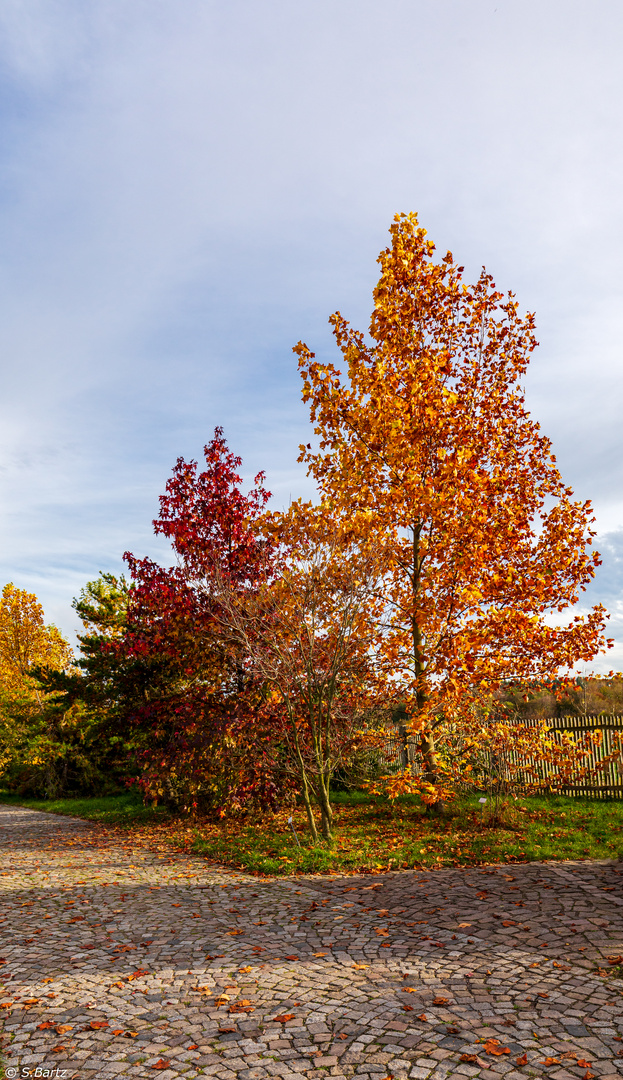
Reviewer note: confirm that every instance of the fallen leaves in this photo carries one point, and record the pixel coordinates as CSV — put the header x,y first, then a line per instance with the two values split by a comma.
x,y
283,1018
440,1001
470,1059
492,1046
522,1059
163,1063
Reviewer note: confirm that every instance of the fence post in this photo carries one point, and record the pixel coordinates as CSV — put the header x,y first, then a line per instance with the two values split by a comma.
x,y
404,747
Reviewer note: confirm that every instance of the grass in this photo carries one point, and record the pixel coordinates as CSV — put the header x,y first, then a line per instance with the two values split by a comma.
x,y
373,835
121,809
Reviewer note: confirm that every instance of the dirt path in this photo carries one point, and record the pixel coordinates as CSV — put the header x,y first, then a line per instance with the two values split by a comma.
x,y
114,959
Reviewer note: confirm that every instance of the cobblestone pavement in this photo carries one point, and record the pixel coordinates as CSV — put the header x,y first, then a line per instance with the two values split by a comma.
x,y
118,958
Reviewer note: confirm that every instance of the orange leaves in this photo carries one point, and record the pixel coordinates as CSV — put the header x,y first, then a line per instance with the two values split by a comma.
x,y
522,1059
426,449
492,1046
283,1018
242,1006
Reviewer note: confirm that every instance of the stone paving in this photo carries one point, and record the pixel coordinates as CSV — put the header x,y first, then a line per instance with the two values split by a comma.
x,y
120,958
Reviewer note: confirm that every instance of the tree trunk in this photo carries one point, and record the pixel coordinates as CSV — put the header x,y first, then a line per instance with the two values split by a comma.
x,y
326,813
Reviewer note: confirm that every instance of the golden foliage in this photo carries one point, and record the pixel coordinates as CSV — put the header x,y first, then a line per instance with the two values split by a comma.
x,y
25,641
426,448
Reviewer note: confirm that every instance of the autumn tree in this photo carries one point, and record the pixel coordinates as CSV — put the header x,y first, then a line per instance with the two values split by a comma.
x,y
41,739
199,736
426,445
307,632
25,640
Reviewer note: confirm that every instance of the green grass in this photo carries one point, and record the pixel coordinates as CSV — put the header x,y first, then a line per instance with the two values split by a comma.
x,y
125,808
372,834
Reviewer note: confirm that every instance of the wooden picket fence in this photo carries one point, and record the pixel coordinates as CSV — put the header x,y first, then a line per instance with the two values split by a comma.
x,y
400,750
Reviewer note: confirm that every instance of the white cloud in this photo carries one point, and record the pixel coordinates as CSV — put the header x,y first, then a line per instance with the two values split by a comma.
x,y
190,188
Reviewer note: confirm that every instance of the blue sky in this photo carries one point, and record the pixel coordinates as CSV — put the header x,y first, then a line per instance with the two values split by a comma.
x,y
187,188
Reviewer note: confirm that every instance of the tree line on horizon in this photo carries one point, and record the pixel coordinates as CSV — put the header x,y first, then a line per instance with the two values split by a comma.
x,y
421,585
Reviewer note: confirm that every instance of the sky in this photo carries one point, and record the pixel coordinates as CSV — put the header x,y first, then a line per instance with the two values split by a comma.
x,y
187,188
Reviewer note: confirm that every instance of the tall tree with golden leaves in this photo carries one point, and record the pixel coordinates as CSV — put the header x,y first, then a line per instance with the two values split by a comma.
x,y
425,443
25,640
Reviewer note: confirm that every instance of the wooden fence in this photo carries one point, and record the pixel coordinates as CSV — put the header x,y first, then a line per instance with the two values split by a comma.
x,y
400,750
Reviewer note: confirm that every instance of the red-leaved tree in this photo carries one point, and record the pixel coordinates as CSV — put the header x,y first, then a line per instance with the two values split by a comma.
x,y
205,737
